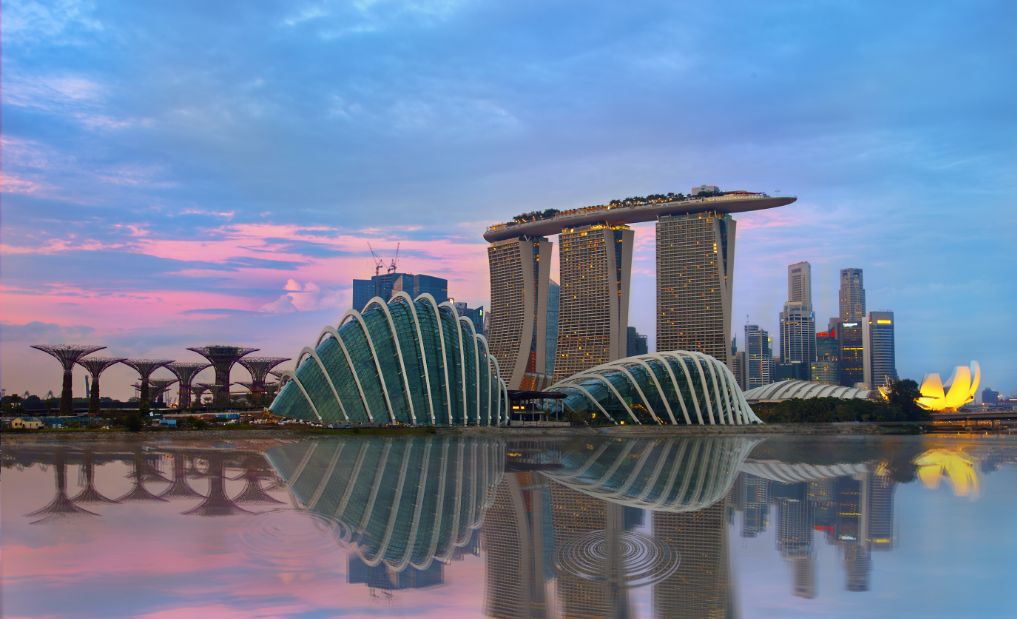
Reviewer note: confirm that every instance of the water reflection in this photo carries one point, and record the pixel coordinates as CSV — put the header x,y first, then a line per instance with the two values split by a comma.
x,y
558,528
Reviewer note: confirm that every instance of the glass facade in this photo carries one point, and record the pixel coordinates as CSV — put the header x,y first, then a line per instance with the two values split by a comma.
x,y
406,362
676,387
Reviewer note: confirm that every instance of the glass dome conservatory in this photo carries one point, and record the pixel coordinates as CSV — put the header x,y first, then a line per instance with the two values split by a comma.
x,y
412,362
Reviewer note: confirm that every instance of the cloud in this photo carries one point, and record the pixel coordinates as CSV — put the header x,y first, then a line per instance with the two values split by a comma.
x,y
37,332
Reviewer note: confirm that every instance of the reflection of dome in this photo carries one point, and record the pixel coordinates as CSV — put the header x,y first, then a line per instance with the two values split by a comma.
x,y
407,361
803,390
957,466
962,389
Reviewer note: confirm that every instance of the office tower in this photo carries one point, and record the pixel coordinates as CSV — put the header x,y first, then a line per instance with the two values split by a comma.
x,y
880,362
474,314
989,396
636,343
593,312
852,295
799,283
695,272
797,333
852,315
553,295
739,367
826,367
758,357
520,274
388,284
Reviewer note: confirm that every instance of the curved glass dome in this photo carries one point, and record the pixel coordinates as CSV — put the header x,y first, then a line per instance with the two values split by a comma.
x,y
413,362
676,387
803,389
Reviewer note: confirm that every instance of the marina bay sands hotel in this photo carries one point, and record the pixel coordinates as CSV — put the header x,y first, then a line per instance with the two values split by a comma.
x,y
695,268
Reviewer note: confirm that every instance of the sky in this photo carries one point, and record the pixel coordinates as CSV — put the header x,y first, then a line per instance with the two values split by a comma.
x,y
188,173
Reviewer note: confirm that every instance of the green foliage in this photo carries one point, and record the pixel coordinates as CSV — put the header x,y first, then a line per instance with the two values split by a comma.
x,y
826,410
134,421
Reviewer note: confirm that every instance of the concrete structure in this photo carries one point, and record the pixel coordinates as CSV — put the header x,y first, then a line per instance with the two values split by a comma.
x,y
96,366
411,362
758,357
387,284
880,361
695,279
520,272
185,373
593,311
222,357
959,391
674,387
802,390
144,368
67,355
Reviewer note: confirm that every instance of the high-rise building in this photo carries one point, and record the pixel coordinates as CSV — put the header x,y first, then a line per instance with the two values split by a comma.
x,y
475,315
852,338
520,277
799,283
851,296
797,333
738,365
695,273
758,357
826,367
636,343
880,357
553,296
593,310
388,284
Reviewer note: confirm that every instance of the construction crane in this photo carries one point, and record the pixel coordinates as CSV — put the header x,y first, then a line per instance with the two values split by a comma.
x,y
392,265
379,264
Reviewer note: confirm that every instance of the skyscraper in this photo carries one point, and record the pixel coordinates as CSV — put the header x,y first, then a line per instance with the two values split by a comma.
x,y
758,357
388,284
880,357
852,314
826,367
474,314
593,311
520,276
695,271
797,320
553,298
799,283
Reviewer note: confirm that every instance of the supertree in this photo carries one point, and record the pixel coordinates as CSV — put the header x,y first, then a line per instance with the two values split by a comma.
x,y
95,367
259,368
200,389
222,358
67,355
185,374
158,388
145,367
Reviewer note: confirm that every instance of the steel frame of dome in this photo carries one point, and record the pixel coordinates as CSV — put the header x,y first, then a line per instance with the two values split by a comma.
x,y
699,383
803,389
430,367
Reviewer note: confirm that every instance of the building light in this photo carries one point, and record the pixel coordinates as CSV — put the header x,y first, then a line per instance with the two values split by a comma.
x,y
883,321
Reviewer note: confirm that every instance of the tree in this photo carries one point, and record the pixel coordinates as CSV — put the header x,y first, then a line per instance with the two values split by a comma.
x,y
902,395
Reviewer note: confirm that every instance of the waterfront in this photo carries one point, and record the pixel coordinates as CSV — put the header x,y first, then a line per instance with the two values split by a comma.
x,y
507,525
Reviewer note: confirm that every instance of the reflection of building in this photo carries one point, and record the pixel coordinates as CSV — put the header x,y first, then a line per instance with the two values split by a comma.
x,y
384,577
701,587
593,310
695,274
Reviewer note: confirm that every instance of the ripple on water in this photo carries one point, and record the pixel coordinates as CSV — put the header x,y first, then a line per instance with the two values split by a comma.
x,y
292,538
644,560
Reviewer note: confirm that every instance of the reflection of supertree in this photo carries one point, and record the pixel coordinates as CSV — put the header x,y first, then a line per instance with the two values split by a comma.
x,y
95,367
217,503
60,506
90,494
145,367
141,472
67,356
253,492
259,367
222,358
185,374
179,487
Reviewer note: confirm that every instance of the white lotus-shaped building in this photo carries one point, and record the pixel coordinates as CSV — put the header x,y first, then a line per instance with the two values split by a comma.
x,y
962,387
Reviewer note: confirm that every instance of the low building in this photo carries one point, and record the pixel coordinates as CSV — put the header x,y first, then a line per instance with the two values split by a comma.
x,y
26,423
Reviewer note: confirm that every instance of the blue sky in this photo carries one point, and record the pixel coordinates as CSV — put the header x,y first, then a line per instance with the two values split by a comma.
x,y
191,172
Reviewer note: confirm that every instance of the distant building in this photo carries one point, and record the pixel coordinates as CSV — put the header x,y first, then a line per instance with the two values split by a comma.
x,y
737,364
795,370
475,314
636,343
797,320
826,367
989,396
386,285
553,297
799,283
758,357
852,315
710,189
880,356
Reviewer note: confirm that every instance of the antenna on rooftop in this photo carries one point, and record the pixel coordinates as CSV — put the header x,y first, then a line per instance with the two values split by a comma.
x,y
379,264
392,266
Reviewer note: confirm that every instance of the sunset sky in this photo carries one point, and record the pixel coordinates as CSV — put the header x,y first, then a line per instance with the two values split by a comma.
x,y
186,173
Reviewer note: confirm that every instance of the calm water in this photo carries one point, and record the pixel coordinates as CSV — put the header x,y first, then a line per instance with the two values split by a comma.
x,y
472,527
